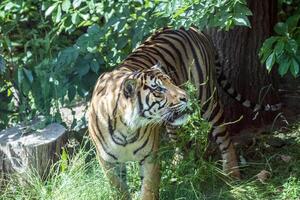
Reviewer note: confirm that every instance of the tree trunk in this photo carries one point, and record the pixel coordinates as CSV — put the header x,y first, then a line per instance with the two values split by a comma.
x,y
24,148
239,49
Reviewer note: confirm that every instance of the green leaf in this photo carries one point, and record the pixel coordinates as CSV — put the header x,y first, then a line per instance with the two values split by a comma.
x,y
294,67
28,74
85,16
95,66
58,14
71,93
279,47
20,76
180,11
95,30
122,41
292,46
66,4
284,67
2,65
269,42
267,48
281,28
242,9
292,21
270,61
64,160
242,20
50,9
9,6
83,67
76,3
67,57
75,18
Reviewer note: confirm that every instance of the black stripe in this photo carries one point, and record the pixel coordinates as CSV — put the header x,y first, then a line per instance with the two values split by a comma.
x,y
196,59
146,130
155,60
162,57
111,132
198,40
137,61
142,55
100,91
161,41
224,139
161,106
102,140
179,54
116,105
220,134
97,125
226,87
143,145
226,147
105,150
147,99
143,159
214,112
177,40
220,121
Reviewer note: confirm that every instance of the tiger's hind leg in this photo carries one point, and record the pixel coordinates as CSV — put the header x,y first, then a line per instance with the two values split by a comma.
x,y
117,180
214,114
229,158
221,136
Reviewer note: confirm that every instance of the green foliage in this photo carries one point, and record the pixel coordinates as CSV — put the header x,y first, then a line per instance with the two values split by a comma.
x,y
51,52
283,49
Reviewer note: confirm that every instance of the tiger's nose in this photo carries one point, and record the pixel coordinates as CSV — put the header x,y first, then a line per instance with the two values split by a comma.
x,y
183,99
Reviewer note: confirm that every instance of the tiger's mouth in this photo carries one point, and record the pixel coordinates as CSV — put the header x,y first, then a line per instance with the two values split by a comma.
x,y
178,118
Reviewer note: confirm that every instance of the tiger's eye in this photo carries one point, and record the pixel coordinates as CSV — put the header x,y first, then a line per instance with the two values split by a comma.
x,y
161,89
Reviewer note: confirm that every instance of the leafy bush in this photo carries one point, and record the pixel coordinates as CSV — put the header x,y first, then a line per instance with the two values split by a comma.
x,y
53,51
283,49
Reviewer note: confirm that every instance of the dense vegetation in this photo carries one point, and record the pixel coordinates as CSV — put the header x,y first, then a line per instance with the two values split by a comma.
x,y
51,52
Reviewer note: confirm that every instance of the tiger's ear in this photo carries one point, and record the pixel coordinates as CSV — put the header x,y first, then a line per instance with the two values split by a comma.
x,y
129,87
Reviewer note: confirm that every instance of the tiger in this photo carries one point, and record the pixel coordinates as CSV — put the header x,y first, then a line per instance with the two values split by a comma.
x,y
134,104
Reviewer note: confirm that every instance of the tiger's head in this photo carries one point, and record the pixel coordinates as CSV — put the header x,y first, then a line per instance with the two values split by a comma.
x,y
152,97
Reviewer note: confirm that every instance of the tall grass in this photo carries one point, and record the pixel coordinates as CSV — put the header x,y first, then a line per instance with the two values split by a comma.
x,y
81,179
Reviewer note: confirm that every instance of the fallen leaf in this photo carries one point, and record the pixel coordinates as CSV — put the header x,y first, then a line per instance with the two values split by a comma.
x,y
286,158
263,176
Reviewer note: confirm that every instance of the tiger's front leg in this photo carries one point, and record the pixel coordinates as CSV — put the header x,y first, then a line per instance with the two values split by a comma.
x,y
114,179
150,180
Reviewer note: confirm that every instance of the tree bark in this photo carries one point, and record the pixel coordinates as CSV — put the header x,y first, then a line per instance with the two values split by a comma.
x,y
24,148
239,49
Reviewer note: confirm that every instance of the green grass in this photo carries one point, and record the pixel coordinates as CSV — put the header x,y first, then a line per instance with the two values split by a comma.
x,y
82,177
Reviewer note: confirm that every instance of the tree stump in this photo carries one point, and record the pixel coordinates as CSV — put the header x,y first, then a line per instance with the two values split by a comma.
x,y
25,147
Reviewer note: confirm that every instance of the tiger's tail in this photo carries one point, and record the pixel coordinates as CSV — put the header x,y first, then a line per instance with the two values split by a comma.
x,y
228,89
